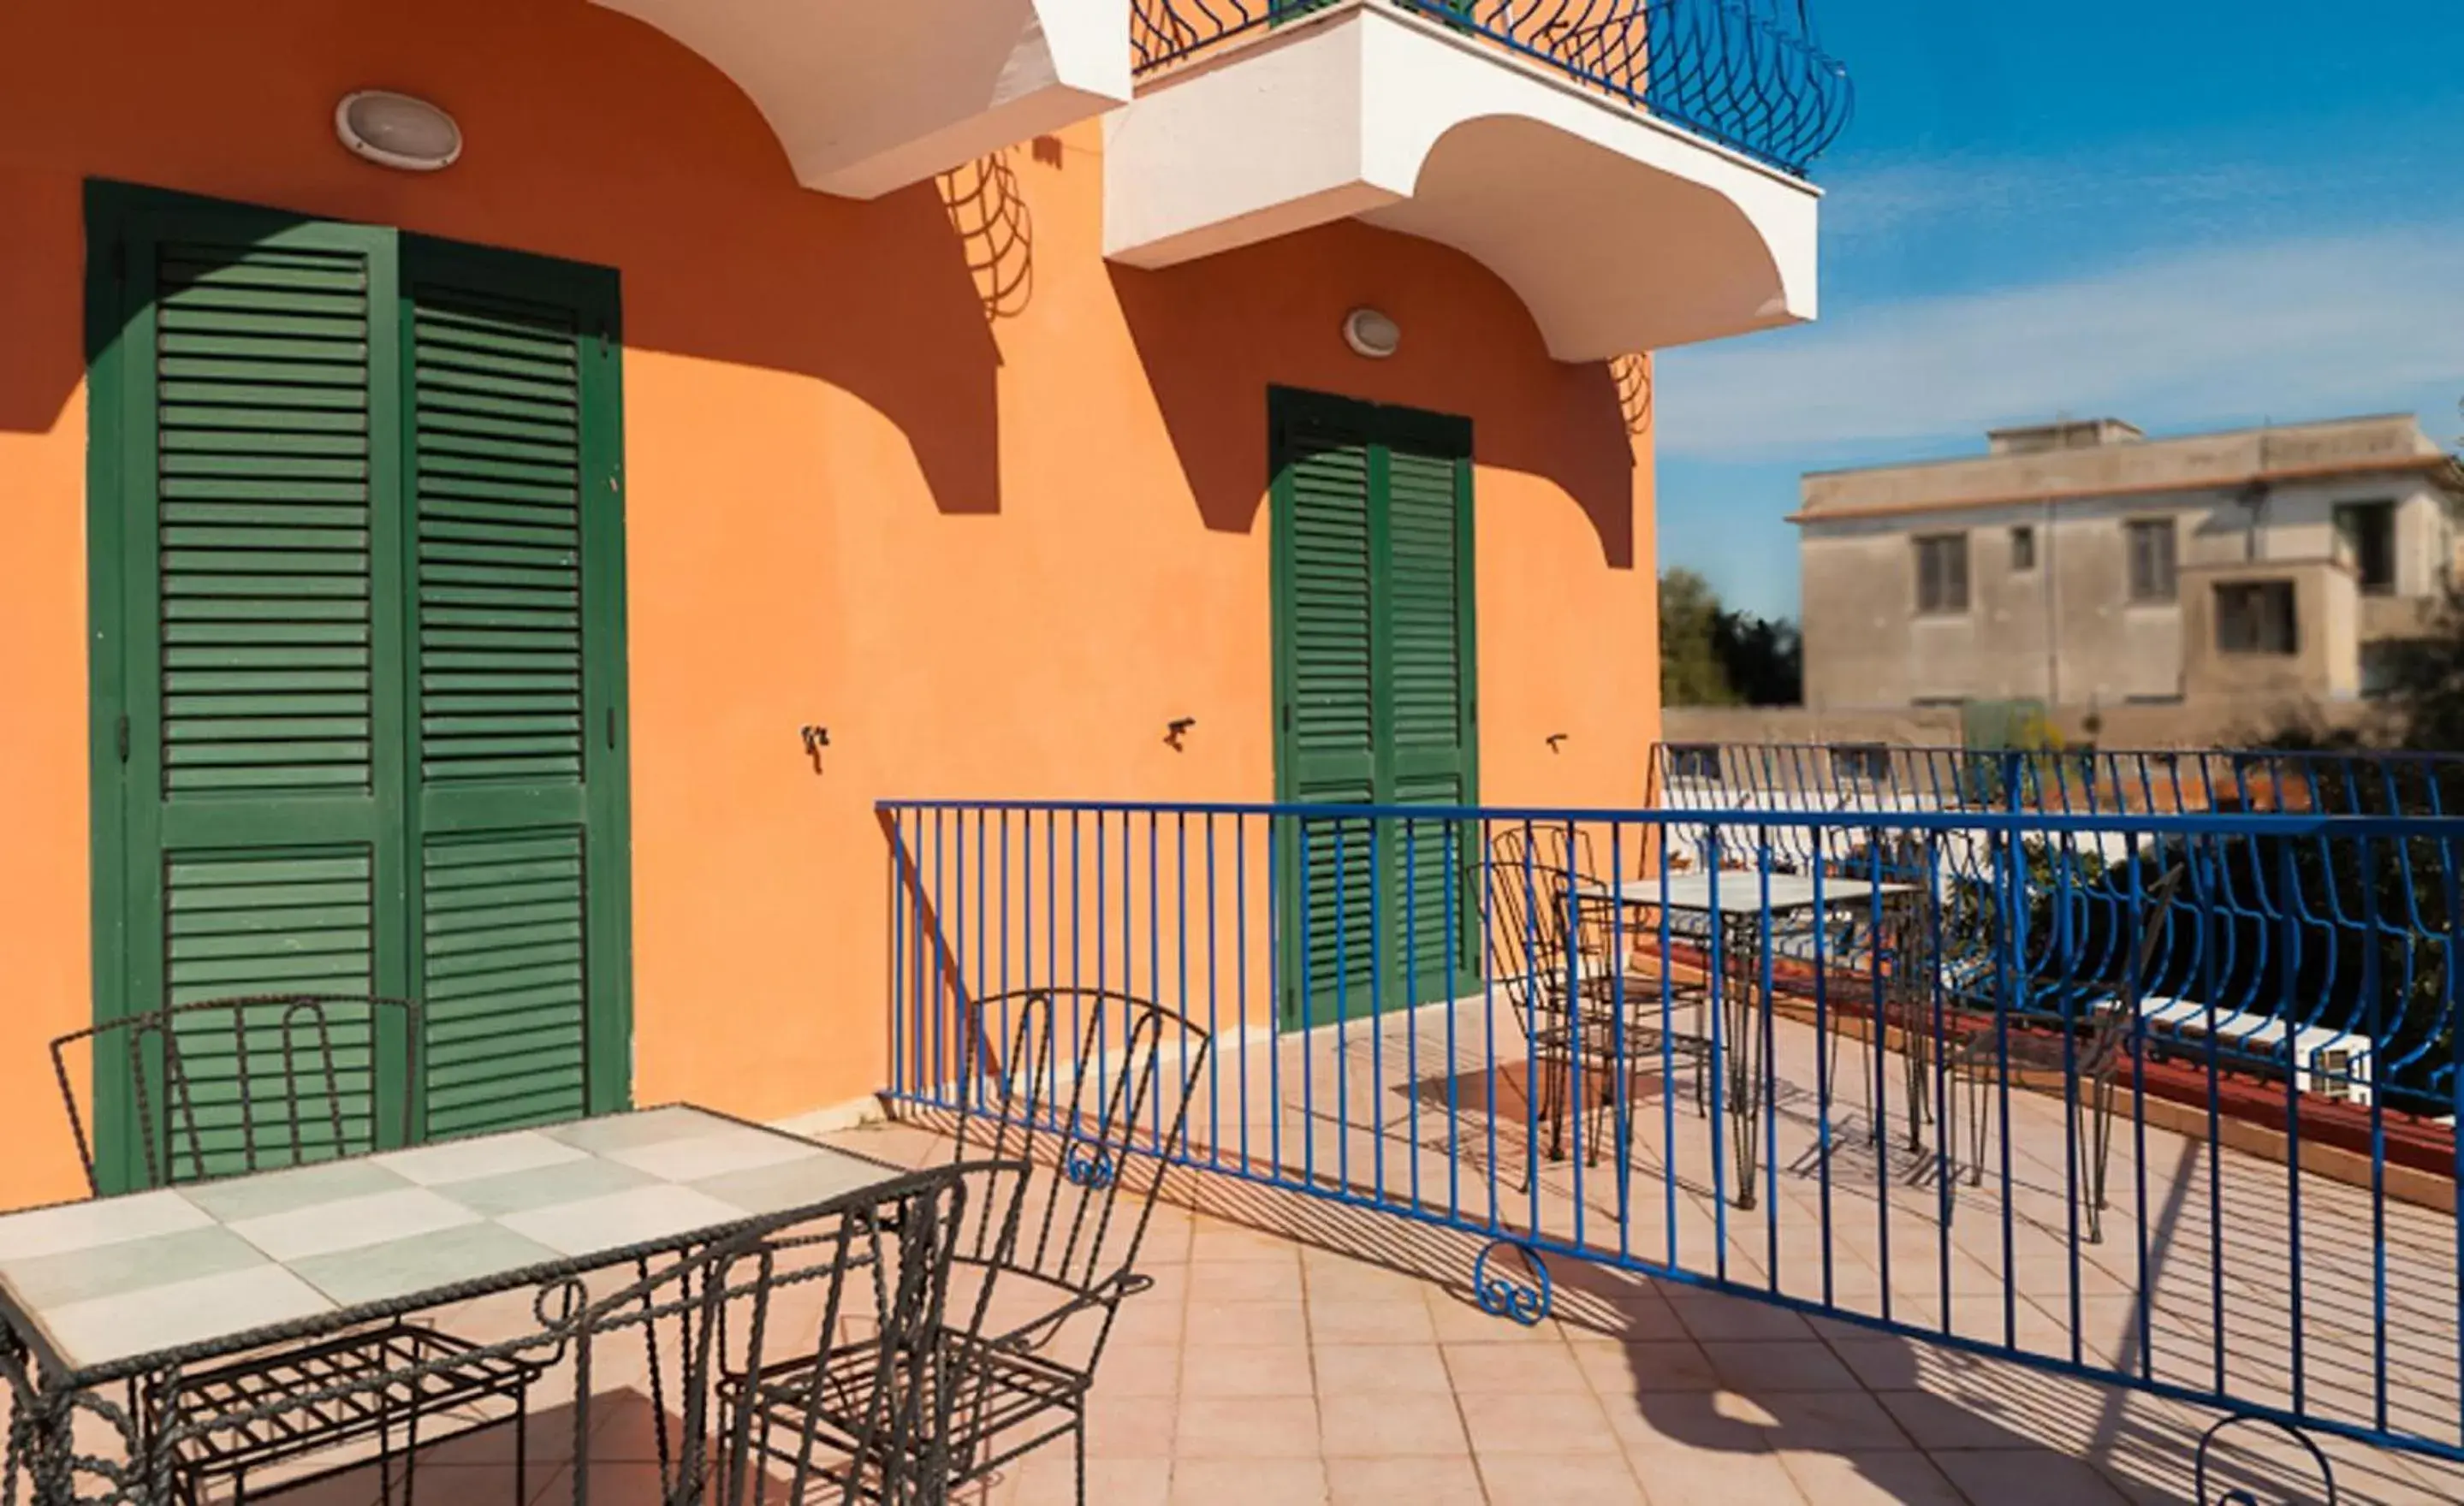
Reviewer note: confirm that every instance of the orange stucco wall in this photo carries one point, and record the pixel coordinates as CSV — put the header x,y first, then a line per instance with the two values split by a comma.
x,y
938,477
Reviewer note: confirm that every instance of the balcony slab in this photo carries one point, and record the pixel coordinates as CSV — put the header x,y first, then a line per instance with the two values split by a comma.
x,y
1619,232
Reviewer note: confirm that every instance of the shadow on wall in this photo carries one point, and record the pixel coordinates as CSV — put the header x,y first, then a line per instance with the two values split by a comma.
x,y
724,257
989,213
1216,333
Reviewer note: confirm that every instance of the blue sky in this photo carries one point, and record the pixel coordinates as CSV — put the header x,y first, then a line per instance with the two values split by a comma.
x,y
2187,213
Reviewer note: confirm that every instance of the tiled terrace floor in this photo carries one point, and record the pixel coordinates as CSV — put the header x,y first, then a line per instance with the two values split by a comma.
x,y
1295,1351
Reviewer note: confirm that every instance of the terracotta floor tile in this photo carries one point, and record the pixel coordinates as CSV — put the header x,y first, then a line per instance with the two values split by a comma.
x,y
1863,1478
1132,1428
1380,1369
1938,1422
1691,1421
1457,1319
1391,1426
1719,1317
1246,1428
1662,1365
1139,1369
1219,1241
1244,1281
1351,1322
2016,1477
1712,1477
1830,1420
1580,1480
1049,1478
1247,1482
1247,1322
1335,1278
1519,1367
1404,1482
1246,1370
1786,1365
1509,1422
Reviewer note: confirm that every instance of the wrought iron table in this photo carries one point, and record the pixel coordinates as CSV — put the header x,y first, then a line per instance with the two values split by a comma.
x,y
127,1288
1737,902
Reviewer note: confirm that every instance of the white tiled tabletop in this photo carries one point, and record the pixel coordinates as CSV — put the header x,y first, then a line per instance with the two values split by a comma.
x,y
103,1282
1745,893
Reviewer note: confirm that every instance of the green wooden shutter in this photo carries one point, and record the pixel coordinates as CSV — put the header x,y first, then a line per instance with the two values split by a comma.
x,y
1430,653
516,632
1373,665
347,740
1328,702
248,792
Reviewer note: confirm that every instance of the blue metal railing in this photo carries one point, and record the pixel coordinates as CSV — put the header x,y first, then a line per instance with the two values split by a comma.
x,y
2288,918
1747,74
1983,1102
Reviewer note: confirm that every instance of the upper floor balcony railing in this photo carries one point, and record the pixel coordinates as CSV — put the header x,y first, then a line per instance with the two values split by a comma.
x,y
1745,74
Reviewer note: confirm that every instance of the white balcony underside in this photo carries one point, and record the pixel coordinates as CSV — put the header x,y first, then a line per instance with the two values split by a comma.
x,y
870,96
1619,232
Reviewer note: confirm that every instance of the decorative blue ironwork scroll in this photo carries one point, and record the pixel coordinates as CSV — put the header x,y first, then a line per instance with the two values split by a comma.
x,y
1501,1295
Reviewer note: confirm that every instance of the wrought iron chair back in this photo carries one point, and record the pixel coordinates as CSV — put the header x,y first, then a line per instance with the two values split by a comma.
x,y
2117,1023
801,1414
1529,868
222,1088
1071,1084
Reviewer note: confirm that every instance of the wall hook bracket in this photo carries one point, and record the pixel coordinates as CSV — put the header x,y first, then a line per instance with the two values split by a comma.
x,y
816,738
1176,730
1553,740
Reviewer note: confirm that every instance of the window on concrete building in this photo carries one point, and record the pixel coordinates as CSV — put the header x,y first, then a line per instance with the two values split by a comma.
x,y
1696,761
2023,549
2379,664
1942,575
1860,763
2151,560
2368,533
2256,617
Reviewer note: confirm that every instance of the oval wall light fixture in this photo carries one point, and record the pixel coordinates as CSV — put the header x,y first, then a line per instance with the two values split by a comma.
x,y
1372,334
395,130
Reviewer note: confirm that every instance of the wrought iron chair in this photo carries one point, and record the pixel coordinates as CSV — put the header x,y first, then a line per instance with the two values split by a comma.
x,y
1068,1082
802,1412
2088,1065
1585,1011
1897,952
226,1087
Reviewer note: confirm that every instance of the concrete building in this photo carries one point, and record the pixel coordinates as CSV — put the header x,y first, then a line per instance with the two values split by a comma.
x,y
2083,564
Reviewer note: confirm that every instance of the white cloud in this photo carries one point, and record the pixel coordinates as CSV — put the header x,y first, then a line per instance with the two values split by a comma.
x,y
1885,199
2293,328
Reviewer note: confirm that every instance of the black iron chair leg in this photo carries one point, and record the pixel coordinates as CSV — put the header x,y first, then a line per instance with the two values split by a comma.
x,y
1078,1445
410,1452
1977,1129
384,1451
523,1443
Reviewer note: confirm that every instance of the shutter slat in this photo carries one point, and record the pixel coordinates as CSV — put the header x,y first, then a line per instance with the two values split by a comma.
x,y
498,586
264,922
264,580
503,955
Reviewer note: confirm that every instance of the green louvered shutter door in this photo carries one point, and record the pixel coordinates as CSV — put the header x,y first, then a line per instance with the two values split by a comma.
x,y
259,756
1425,600
1373,655
516,631
1328,720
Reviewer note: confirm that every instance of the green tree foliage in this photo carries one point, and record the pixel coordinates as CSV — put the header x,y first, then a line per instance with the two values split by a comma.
x,y
1690,670
1710,656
